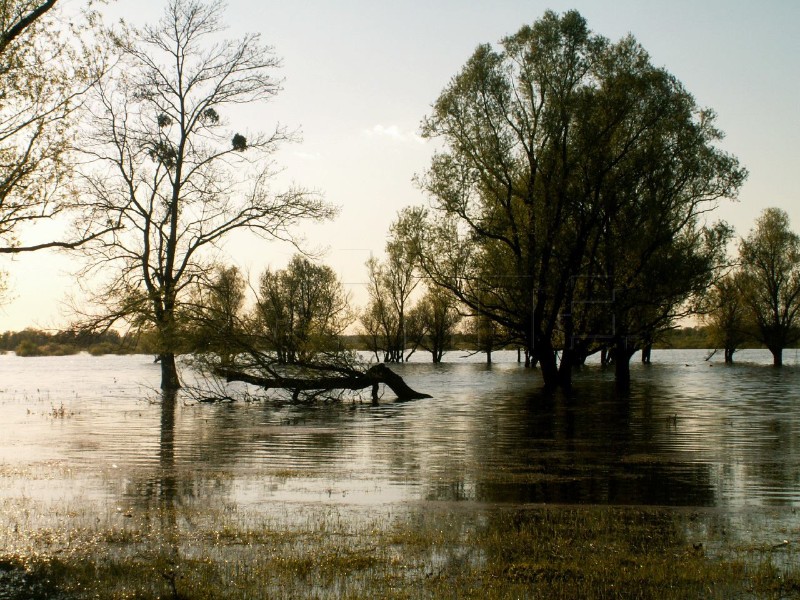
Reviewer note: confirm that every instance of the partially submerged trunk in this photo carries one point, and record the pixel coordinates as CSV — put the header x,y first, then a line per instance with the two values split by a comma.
x,y
374,376
549,364
777,356
646,353
623,352
169,372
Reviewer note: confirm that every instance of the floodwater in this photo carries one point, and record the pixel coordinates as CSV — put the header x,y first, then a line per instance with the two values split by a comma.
x,y
93,431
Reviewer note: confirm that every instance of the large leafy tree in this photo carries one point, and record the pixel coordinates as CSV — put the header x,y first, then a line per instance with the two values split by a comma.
x,y
573,174
770,280
171,176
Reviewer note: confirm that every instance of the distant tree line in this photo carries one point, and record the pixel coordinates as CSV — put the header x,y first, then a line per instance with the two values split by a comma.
x,y
35,342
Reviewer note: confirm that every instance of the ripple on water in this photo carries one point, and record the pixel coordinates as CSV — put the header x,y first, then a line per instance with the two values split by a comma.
x,y
688,434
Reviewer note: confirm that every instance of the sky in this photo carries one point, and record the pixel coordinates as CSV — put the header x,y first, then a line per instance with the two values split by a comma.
x,y
360,75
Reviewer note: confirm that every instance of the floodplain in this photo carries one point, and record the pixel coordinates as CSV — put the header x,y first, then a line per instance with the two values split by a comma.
x,y
685,488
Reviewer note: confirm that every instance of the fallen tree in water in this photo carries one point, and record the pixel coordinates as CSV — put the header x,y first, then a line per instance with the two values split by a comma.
x,y
352,380
291,343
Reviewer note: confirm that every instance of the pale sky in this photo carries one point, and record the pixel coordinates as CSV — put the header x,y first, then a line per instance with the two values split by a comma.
x,y
359,75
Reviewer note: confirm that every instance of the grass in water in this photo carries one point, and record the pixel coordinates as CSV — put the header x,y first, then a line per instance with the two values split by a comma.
x,y
429,552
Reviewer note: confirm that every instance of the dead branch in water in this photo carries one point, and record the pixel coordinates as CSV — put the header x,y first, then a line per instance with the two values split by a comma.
x,y
355,380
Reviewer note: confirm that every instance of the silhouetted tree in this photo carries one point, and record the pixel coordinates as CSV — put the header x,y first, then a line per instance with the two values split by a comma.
x,y
171,176
301,311
436,316
572,175
727,315
770,281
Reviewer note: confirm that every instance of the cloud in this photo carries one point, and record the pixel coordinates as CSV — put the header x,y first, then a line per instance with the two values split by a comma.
x,y
394,133
308,156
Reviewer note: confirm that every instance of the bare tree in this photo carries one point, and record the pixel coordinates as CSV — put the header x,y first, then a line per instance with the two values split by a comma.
x,y
170,176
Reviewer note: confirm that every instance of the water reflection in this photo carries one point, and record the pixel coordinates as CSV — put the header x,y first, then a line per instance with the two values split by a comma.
x,y
688,434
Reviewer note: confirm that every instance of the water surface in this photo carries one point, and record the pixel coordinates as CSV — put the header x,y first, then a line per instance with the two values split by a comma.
x,y
90,431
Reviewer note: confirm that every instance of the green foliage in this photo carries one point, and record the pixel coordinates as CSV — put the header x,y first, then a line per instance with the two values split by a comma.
x,y
494,553
103,348
571,193
47,64
726,314
301,311
770,280
386,327
684,338
213,320
437,316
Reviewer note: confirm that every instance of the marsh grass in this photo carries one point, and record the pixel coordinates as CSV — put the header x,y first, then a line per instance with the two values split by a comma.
x,y
428,551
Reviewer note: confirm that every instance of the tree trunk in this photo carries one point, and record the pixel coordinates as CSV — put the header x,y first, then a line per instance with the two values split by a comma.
x,y
605,356
646,351
568,362
547,359
622,365
729,355
169,372
437,353
777,356
622,372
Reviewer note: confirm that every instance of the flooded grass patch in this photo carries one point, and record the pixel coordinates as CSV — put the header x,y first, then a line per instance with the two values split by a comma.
x,y
428,551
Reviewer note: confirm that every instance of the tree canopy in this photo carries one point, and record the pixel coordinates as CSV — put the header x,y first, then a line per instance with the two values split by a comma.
x,y
301,311
47,65
571,194
770,280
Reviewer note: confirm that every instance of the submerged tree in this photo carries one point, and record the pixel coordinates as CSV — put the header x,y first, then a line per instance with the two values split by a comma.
x,y
301,311
770,281
726,314
573,174
391,283
290,342
214,315
171,176
436,315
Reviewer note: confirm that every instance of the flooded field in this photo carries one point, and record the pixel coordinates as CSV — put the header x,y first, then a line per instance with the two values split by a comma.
x,y
88,446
